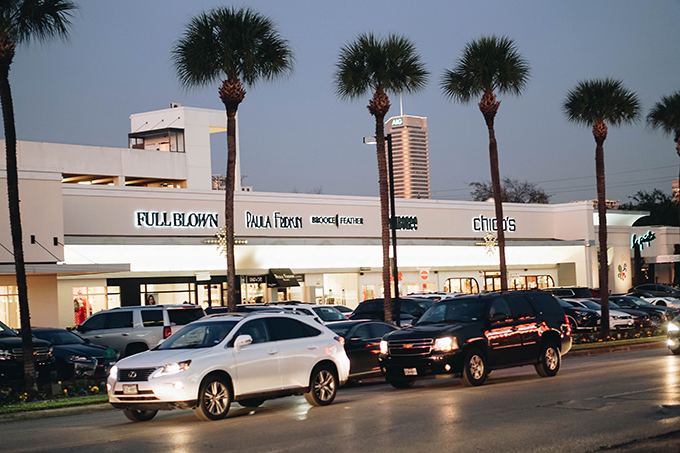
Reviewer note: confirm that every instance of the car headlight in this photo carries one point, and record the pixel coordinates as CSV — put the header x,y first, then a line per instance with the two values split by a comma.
x,y
445,344
80,358
672,327
5,354
383,347
113,372
172,368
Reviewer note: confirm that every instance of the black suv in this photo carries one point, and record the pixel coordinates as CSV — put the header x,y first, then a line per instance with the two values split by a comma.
x,y
12,356
471,335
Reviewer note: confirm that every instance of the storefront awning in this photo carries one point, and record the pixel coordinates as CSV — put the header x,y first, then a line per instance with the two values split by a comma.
x,y
281,278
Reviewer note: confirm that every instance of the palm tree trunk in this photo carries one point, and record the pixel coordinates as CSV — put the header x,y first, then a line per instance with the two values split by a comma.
x,y
384,213
230,186
602,235
497,199
15,224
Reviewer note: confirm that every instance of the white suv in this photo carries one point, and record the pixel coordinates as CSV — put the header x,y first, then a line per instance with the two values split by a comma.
x,y
130,330
246,358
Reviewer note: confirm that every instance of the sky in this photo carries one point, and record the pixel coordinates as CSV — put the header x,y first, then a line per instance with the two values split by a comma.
x,y
296,135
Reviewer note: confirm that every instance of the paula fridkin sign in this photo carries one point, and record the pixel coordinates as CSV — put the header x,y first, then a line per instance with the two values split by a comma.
x,y
276,221
158,219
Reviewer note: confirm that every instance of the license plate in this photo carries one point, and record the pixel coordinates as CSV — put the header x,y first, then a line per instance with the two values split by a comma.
x,y
130,389
410,372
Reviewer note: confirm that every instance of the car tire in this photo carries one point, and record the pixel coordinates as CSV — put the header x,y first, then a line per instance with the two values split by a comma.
x,y
550,360
475,368
401,383
139,415
214,399
252,402
323,386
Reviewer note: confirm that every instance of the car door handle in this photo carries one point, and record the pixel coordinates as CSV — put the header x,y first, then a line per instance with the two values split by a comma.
x,y
125,334
272,352
97,336
312,346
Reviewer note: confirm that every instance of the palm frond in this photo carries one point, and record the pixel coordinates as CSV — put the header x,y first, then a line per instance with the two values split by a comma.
x,y
229,42
369,63
26,20
665,115
488,64
601,100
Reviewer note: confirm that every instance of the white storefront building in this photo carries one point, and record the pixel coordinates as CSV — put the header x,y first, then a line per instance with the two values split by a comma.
x,y
108,226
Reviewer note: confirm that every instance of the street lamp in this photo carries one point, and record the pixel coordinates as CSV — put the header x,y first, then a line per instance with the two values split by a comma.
x,y
393,223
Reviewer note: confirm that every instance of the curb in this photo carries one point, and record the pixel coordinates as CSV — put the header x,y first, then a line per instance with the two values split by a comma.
x,y
62,411
610,349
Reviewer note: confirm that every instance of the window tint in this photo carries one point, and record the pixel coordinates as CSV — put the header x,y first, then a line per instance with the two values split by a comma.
x,y
285,329
520,306
410,308
152,318
329,314
378,330
546,304
119,319
310,331
95,322
184,316
256,329
369,306
499,306
362,332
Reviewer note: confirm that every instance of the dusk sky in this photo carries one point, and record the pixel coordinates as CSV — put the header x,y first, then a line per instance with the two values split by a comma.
x,y
297,135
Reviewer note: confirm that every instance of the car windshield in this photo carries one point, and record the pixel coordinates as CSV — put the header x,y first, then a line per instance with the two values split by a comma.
x,y
6,331
564,303
424,303
199,335
329,314
639,302
590,304
453,310
59,337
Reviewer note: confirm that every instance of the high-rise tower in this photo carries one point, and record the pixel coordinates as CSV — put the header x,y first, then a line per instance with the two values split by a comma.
x,y
410,156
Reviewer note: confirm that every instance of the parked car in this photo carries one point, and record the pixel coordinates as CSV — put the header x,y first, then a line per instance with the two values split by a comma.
x,y
246,358
345,310
411,309
240,308
471,335
75,356
656,289
12,359
362,345
673,333
617,319
434,296
130,330
322,313
580,318
663,301
572,292
658,313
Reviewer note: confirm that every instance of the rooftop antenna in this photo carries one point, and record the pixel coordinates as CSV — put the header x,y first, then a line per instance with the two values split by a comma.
x,y
401,106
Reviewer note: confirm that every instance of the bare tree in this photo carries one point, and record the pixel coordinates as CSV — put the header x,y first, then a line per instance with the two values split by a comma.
x,y
512,191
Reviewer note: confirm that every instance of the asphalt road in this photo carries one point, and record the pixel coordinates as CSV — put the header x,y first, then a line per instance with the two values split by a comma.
x,y
623,402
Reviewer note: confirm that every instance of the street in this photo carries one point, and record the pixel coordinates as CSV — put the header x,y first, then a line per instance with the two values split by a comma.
x,y
612,402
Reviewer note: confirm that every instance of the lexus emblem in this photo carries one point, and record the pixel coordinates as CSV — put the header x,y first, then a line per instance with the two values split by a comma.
x,y
132,374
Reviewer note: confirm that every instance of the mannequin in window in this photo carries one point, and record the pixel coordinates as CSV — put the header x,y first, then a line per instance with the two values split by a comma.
x,y
150,300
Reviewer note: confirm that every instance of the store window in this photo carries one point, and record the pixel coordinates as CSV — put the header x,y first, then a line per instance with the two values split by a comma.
x,y
341,289
167,293
9,306
88,300
525,282
253,289
461,285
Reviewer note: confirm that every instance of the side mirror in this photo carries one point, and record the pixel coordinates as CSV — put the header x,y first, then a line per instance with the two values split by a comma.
x,y
81,328
242,340
498,317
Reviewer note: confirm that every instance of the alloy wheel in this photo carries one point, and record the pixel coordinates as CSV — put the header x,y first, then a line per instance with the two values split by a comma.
x,y
324,385
476,367
216,398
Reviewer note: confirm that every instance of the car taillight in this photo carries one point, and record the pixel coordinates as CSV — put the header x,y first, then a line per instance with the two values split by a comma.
x,y
568,325
340,340
167,331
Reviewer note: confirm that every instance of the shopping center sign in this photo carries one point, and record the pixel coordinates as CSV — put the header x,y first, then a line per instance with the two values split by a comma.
x,y
336,220
643,240
276,221
489,224
157,219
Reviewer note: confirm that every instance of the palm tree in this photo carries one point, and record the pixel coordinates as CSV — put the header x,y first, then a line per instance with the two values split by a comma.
x,y
20,22
665,115
594,103
487,65
371,64
237,46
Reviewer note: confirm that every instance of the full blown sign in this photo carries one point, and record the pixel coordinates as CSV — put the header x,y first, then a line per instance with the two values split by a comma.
x,y
156,219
